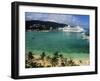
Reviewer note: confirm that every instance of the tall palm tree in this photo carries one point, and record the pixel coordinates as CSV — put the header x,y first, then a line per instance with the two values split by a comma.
x,y
56,54
29,59
55,59
61,56
43,55
62,60
71,62
30,55
66,61
49,59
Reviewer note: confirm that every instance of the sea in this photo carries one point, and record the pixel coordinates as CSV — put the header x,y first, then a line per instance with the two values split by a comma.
x,y
69,44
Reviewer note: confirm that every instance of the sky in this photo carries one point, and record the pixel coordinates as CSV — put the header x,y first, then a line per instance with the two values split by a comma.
x,y
59,18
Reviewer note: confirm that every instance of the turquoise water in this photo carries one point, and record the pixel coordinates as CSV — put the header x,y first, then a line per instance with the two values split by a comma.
x,y
67,43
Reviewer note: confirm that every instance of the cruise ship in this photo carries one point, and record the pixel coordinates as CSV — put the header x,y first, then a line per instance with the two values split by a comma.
x,y
72,29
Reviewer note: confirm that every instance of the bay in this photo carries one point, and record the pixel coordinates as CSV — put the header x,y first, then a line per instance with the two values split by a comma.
x,y
70,44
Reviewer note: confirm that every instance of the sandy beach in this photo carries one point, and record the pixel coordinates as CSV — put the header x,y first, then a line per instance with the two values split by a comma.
x,y
57,60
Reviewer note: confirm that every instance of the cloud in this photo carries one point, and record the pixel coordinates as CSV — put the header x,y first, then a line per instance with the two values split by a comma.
x,y
60,18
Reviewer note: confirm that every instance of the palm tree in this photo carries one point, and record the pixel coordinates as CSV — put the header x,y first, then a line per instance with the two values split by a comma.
x,y
49,59
56,54
29,60
30,56
55,59
66,61
62,60
43,55
61,57
71,62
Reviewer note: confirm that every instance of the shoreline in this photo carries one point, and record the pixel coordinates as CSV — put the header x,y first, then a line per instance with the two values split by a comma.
x,y
56,60
76,56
